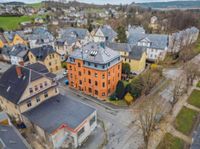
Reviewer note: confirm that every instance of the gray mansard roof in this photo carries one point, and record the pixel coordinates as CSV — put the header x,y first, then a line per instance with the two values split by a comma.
x,y
65,111
157,41
119,46
95,52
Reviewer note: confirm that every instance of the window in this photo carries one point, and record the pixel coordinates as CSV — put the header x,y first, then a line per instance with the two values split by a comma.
x,y
96,83
90,90
103,84
81,131
41,85
103,76
79,64
89,73
80,82
56,67
96,92
92,120
108,81
103,94
29,104
37,99
79,73
109,91
108,64
108,73
118,67
103,66
96,75
36,88
30,90
70,67
89,81
45,94
88,63
56,90
95,65
129,60
45,83
49,63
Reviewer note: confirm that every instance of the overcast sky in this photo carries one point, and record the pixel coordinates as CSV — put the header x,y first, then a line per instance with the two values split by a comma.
x,y
98,1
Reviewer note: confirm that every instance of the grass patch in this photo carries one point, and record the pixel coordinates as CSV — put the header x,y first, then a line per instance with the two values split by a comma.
x,y
36,5
194,98
198,84
13,23
185,120
171,142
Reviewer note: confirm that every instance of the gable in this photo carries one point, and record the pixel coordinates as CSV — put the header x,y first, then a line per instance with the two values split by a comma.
x,y
99,33
17,39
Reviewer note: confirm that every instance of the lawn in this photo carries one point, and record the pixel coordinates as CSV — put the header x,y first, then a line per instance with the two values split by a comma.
x,y
35,5
12,23
171,142
185,120
194,98
117,102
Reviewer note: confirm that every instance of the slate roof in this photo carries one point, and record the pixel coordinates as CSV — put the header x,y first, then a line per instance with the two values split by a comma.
x,y
40,34
157,41
95,52
10,35
136,29
78,33
65,111
136,52
42,52
6,50
108,32
19,51
10,138
12,87
119,46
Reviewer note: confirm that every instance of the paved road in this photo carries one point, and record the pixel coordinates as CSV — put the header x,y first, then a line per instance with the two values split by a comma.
x,y
122,133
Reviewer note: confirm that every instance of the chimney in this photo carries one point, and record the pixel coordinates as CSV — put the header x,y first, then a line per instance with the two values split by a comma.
x,y
19,71
21,63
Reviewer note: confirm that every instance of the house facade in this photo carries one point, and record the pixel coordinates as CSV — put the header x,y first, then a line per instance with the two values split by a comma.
x,y
135,56
156,45
105,34
95,70
47,56
14,38
33,98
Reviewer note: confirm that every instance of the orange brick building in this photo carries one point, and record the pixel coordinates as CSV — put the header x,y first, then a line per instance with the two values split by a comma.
x,y
94,69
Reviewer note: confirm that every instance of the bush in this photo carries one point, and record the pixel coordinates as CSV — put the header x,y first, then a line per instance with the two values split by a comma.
x,y
128,98
120,90
113,97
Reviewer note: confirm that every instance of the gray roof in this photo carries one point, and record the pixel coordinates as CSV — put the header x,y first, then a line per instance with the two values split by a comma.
x,y
119,46
10,35
136,52
10,138
65,111
40,34
42,52
136,29
12,87
6,50
157,41
95,52
108,32
78,33
19,51
70,40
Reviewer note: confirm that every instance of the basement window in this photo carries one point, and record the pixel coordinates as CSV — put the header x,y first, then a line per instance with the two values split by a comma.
x,y
29,104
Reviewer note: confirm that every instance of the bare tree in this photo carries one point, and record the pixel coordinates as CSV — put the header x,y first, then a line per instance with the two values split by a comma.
x,y
147,118
191,73
178,90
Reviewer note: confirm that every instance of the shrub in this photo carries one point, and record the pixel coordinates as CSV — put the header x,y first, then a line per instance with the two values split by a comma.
x,y
128,98
120,90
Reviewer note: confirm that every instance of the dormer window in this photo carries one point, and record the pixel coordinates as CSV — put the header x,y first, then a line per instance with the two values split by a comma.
x,y
36,88
29,104
30,90
41,85
45,83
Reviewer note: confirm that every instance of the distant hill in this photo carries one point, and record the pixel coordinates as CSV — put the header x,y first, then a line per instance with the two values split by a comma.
x,y
172,4
13,3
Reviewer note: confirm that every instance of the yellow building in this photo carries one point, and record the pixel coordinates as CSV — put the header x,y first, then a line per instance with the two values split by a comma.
x,y
28,90
14,38
47,56
133,55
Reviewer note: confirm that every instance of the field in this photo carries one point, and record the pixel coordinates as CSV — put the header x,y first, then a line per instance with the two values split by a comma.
x,y
185,120
35,5
170,142
12,23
